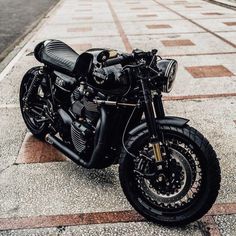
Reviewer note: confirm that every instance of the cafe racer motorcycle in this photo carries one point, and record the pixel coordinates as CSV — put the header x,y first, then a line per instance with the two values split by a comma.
x,y
104,107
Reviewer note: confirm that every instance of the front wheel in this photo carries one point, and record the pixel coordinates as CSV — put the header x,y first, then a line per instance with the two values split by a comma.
x,y
186,186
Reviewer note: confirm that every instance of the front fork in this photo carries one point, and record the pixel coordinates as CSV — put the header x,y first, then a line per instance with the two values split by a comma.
x,y
153,110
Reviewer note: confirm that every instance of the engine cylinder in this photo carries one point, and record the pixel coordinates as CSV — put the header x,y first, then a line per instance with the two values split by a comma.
x,y
82,136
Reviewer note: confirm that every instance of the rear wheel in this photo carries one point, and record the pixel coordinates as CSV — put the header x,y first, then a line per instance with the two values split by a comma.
x,y
33,103
186,186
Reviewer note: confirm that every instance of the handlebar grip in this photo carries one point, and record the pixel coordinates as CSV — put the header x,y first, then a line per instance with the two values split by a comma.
x,y
114,61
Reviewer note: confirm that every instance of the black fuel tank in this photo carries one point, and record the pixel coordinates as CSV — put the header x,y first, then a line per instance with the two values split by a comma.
x,y
110,80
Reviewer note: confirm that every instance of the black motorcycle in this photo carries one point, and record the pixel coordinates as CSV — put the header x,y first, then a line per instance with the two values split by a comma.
x,y
104,107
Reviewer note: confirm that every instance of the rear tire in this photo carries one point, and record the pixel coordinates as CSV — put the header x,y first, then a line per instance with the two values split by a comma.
x,y
159,212
38,130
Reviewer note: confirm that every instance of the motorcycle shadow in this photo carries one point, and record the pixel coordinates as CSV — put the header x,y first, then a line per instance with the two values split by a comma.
x,y
107,177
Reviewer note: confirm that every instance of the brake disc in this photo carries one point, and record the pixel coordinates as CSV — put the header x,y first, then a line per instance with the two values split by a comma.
x,y
170,187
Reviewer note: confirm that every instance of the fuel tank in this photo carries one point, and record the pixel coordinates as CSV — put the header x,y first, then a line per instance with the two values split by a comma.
x,y
111,80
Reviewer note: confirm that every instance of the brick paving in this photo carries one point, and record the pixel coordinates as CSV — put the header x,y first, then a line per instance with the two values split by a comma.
x,y
34,151
207,222
178,42
204,92
209,71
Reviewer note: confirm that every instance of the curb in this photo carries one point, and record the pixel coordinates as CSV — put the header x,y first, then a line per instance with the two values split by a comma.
x,y
21,43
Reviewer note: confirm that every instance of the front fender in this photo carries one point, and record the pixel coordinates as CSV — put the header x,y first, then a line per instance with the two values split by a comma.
x,y
168,120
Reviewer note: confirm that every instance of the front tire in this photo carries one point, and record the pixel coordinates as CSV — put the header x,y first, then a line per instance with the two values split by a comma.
x,y
196,186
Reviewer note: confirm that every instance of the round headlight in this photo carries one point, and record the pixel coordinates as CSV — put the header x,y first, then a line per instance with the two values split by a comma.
x,y
167,72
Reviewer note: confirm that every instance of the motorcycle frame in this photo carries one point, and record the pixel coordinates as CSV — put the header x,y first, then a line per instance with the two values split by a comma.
x,y
151,107
112,125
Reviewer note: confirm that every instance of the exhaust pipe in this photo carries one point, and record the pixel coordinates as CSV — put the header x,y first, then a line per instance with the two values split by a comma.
x,y
58,144
97,158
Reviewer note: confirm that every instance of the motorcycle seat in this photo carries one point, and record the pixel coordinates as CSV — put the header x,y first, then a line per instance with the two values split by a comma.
x,y
57,55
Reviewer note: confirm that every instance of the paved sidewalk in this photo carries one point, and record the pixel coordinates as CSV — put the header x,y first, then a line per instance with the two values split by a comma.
x,y
43,193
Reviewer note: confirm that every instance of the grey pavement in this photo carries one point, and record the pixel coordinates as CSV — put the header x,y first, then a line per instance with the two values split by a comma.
x,y
227,224
126,229
63,188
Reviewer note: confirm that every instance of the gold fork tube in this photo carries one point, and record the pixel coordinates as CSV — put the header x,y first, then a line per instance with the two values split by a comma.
x,y
157,151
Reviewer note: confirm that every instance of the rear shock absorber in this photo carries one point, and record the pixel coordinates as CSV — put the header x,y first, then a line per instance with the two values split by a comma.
x,y
32,85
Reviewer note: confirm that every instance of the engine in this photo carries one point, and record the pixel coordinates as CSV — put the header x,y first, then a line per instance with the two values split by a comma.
x,y
83,130
82,137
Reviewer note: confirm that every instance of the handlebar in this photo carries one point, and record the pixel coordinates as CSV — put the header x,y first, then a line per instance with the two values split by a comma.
x,y
113,61
124,58
129,58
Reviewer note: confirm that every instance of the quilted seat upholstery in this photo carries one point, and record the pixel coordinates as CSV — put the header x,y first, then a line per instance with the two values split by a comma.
x,y
58,55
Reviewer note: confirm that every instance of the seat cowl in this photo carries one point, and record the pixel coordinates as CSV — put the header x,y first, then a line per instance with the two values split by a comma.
x,y
57,55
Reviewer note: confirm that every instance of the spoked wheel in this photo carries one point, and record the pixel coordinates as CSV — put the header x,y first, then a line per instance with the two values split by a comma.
x,y
186,185
33,104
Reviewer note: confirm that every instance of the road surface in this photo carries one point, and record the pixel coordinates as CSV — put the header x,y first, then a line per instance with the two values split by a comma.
x,y
16,17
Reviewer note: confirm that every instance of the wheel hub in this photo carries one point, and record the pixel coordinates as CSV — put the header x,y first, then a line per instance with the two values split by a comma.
x,y
170,184
169,180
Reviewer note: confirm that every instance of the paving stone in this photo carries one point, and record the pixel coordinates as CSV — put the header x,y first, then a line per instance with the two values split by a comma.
x,y
154,14
71,31
10,86
11,136
80,44
193,6
219,24
70,12
207,11
174,27
85,29
83,10
204,43
211,85
226,224
214,119
138,8
82,18
147,15
126,229
36,151
178,42
230,36
209,71
163,26
209,227
56,188
230,23
212,14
